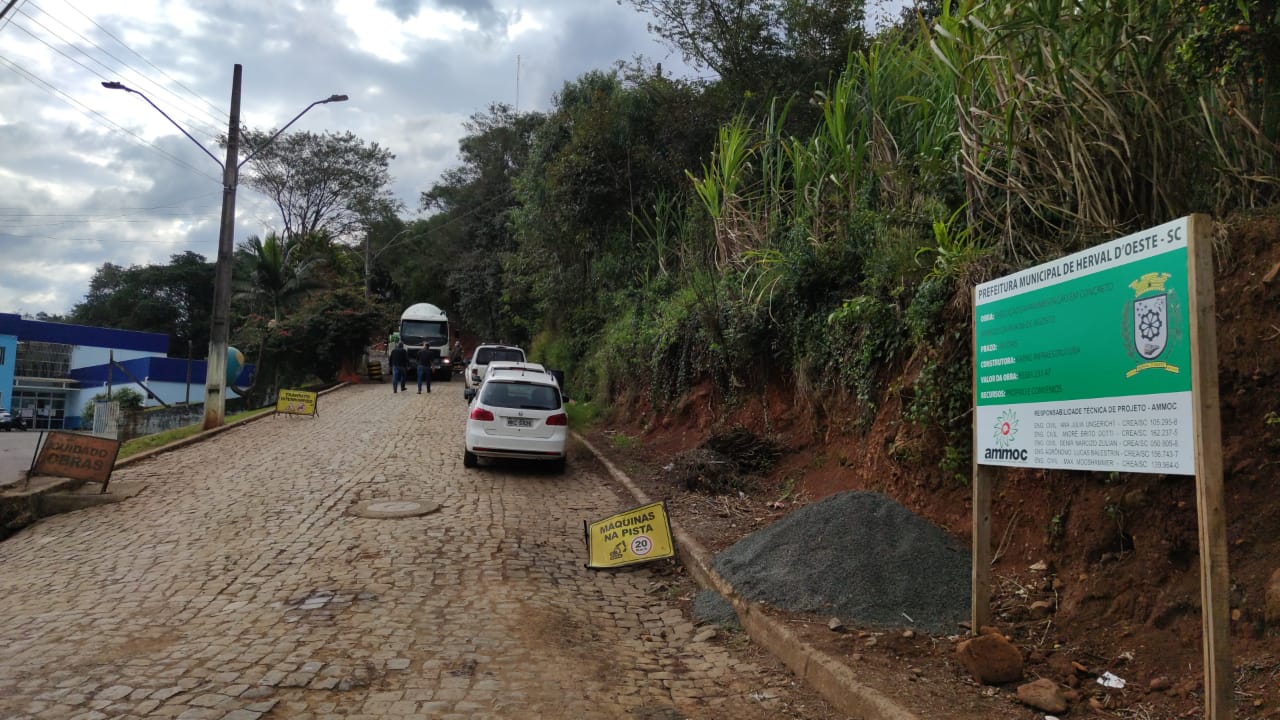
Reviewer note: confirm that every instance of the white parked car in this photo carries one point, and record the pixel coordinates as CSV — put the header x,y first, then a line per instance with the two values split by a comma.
x,y
516,414
520,367
486,354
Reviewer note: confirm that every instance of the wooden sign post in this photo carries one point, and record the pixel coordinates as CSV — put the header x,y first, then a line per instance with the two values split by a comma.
x,y
1210,506
80,457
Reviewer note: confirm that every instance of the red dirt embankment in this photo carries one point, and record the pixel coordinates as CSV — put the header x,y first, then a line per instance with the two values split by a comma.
x,y
1115,555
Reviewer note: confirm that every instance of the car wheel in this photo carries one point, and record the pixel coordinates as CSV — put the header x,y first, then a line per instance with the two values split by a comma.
x,y
469,459
557,466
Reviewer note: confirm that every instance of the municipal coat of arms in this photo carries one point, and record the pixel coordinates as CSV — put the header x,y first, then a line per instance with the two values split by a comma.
x,y
1149,318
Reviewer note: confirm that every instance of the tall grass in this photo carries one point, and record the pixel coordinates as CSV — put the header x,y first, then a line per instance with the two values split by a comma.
x,y
1000,133
1072,124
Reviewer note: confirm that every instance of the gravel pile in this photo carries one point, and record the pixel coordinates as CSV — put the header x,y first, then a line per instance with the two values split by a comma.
x,y
710,607
858,556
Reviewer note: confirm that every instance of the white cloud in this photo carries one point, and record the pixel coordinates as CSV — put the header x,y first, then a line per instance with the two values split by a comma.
x,y
76,192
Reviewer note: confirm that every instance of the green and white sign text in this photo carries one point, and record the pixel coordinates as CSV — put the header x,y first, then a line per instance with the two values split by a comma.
x,y
1085,362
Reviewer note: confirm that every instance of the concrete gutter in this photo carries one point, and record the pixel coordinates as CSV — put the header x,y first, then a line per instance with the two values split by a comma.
x,y
830,677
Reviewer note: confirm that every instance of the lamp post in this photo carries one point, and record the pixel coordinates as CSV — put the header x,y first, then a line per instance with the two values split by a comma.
x,y
219,330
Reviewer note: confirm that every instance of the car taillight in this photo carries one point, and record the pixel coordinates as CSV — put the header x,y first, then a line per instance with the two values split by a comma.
x,y
560,419
481,414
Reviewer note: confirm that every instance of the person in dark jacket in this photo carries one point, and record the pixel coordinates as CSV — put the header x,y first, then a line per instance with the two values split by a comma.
x,y
425,356
399,367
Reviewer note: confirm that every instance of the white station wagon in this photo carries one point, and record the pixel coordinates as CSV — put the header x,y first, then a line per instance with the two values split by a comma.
x,y
516,414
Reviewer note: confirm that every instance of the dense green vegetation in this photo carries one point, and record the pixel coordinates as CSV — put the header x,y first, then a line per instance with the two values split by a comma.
x,y
666,233
816,215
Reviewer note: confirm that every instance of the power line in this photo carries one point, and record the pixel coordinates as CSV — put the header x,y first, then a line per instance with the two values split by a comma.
x,y
218,112
65,97
13,212
207,121
5,12
84,241
194,121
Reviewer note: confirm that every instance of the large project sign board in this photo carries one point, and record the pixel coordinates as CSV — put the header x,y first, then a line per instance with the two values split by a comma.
x,y
1084,363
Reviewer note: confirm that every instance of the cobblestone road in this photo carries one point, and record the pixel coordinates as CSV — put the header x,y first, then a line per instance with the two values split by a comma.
x,y
236,586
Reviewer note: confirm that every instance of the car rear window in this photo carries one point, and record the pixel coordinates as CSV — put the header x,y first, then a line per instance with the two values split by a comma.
x,y
520,395
484,356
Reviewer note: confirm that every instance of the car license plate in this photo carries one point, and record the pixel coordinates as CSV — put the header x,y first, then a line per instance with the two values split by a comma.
x,y
519,422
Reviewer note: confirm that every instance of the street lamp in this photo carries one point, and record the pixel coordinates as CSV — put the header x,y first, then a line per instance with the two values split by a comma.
x,y
219,330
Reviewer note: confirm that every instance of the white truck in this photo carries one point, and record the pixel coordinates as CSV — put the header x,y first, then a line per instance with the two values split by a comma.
x,y
424,325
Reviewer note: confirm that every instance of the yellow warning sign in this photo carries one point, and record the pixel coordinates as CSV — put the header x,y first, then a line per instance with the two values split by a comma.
x,y
632,536
296,402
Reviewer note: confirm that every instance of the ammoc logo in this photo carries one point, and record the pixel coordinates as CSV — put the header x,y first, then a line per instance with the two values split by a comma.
x,y
1006,429
1005,453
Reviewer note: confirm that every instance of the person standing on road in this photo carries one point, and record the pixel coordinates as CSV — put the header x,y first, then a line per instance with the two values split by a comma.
x,y
425,356
399,367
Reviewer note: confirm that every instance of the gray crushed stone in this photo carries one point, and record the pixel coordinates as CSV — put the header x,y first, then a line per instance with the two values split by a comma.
x,y
859,556
712,608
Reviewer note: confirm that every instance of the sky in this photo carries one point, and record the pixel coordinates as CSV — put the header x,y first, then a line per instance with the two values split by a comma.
x,y
90,175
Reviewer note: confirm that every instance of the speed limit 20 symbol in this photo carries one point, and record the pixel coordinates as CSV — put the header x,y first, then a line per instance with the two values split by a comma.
x,y
641,545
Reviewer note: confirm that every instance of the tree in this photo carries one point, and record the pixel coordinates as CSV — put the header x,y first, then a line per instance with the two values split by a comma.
x,y
127,397
273,272
764,47
325,335
461,246
322,184
612,148
174,299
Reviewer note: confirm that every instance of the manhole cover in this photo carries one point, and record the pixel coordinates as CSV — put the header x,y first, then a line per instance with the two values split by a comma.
x,y
382,509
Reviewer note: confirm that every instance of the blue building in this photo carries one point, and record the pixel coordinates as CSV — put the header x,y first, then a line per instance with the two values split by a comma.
x,y
49,371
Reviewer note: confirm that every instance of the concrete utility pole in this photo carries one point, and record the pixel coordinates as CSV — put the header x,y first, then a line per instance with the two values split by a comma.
x,y
215,383
220,329
7,8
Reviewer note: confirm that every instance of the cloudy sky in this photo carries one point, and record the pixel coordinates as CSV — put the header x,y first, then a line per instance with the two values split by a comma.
x,y
90,175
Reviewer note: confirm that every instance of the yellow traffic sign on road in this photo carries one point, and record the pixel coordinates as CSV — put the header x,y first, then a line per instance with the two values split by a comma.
x,y
296,402
629,537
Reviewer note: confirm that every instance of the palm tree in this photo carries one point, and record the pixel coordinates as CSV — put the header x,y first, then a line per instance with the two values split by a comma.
x,y
271,272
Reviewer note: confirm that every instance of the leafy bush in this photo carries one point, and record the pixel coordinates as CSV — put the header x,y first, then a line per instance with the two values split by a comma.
x,y
127,397
865,335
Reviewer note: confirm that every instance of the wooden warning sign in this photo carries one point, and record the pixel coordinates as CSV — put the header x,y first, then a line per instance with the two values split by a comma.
x,y
81,457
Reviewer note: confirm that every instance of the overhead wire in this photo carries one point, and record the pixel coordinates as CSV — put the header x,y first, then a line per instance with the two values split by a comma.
x,y
4,22
218,112
16,212
209,122
97,116
113,241
65,219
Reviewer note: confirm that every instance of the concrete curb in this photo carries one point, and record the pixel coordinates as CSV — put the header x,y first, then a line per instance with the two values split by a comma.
x,y
205,434
831,678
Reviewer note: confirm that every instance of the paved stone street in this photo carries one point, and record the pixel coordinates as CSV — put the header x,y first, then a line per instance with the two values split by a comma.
x,y
237,586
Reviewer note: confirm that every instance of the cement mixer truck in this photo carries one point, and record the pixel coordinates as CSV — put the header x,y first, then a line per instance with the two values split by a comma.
x,y
424,325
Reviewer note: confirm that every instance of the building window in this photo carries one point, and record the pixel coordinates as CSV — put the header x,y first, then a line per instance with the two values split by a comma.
x,y
2,349
42,360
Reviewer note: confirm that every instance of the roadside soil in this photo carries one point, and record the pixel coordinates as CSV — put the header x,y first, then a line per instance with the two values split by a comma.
x,y
1113,557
